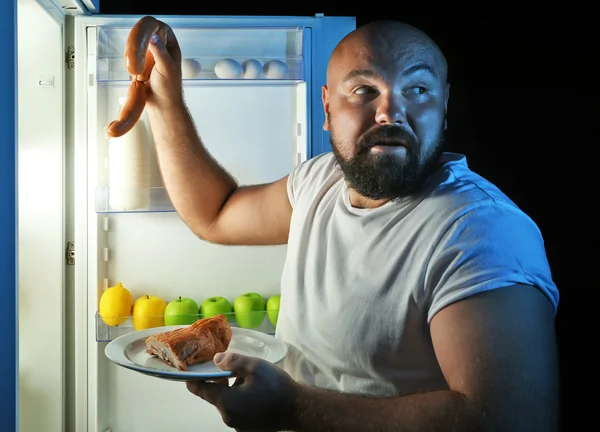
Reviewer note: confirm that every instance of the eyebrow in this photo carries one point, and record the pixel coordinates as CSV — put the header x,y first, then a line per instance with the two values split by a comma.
x,y
361,73
368,73
420,67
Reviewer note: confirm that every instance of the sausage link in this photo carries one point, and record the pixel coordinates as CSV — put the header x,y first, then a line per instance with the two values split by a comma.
x,y
137,44
132,110
148,65
149,60
139,63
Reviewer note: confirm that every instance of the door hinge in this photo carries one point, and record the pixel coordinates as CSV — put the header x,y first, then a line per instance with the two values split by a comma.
x,y
70,57
70,253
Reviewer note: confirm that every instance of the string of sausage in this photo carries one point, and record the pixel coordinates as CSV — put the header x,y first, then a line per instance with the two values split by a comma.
x,y
139,62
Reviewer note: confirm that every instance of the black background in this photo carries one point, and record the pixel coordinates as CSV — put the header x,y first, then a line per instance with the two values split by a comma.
x,y
524,109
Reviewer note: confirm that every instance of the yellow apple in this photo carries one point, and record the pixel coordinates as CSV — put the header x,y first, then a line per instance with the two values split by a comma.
x,y
148,312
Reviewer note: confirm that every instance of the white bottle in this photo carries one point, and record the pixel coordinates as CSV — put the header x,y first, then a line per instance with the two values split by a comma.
x,y
129,169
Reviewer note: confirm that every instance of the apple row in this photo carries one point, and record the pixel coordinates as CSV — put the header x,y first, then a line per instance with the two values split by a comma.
x,y
147,311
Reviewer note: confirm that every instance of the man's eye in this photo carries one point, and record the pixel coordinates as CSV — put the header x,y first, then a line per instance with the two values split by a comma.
x,y
417,90
362,90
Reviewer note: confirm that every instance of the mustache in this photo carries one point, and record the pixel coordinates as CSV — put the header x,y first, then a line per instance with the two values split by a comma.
x,y
387,135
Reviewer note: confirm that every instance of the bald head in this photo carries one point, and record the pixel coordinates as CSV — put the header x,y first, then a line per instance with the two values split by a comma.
x,y
385,42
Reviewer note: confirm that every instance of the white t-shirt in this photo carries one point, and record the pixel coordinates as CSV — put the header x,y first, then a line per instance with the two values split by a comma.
x,y
360,286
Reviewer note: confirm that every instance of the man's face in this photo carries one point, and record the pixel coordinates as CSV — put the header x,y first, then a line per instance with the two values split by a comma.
x,y
385,110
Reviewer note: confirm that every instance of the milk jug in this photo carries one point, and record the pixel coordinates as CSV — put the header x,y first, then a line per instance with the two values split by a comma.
x,y
129,169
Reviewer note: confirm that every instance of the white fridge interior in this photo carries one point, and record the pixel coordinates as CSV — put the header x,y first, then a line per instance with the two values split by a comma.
x,y
254,128
258,128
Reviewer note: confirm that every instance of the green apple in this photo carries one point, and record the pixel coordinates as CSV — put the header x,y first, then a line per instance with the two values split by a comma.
x,y
249,310
216,306
181,311
273,308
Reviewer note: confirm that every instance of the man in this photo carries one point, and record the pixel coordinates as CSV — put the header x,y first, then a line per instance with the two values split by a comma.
x,y
415,295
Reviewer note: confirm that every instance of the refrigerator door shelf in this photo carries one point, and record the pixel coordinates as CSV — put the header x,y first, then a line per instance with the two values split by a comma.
x,y
258,321
216,53
58,9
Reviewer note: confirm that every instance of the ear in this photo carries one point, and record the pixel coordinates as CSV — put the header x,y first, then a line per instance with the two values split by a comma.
x,y
325,99
446,106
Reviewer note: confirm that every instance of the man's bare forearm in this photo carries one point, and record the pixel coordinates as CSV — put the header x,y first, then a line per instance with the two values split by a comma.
x,y
445,411
198,186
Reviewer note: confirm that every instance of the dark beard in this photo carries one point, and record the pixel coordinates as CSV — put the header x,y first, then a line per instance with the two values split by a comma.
x,y
380,176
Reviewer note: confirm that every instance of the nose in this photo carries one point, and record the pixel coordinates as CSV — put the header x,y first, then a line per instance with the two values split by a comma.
x,y
390,110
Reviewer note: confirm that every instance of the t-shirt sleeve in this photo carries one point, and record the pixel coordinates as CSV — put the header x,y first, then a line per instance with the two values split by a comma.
x,y
294,182
307,176
488,247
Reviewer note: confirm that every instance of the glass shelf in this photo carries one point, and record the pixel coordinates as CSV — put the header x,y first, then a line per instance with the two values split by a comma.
x,y
143,200
217,53
258,321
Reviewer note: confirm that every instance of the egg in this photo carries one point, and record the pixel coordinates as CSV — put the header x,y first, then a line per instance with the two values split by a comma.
x,y
228,69
252,69
190,68
276,69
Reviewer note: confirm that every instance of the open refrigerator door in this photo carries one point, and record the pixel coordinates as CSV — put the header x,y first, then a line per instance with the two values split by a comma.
x,y
251,85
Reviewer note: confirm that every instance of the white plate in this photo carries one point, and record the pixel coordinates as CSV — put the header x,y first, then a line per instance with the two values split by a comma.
x,y
129,351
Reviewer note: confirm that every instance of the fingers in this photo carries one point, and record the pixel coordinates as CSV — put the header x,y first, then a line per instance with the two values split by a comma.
x,y
221,381
162,58
165,49
208,391
173,46
239,364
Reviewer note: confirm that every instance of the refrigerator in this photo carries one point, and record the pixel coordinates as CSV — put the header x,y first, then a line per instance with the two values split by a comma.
x,y
77,235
